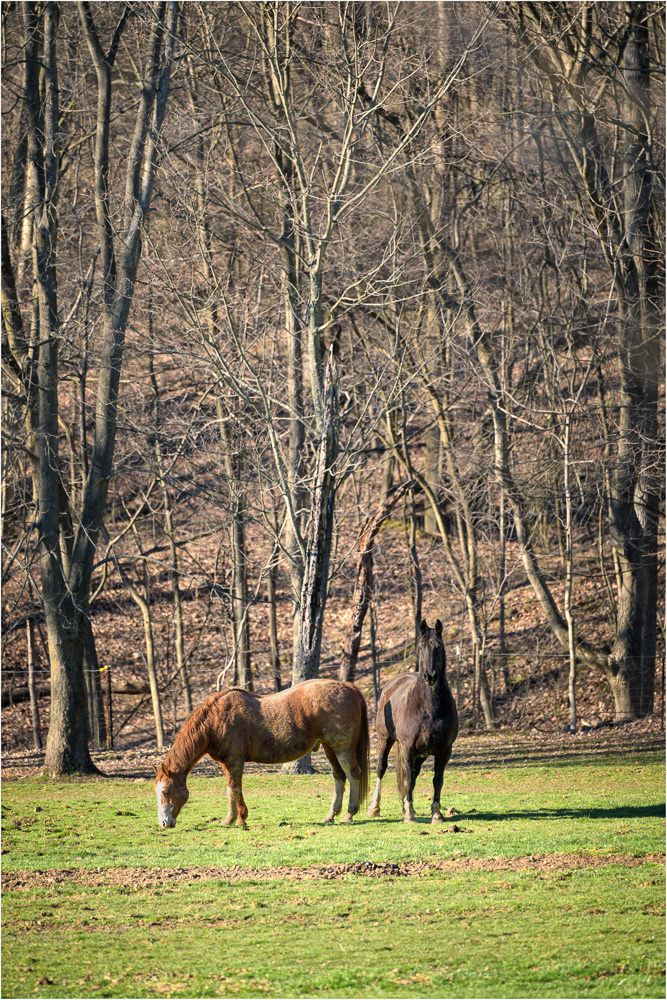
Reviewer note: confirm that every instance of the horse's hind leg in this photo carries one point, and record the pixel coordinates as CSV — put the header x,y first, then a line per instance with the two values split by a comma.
x,y
242,809
339,784
352,769
438,774
238,810
383,759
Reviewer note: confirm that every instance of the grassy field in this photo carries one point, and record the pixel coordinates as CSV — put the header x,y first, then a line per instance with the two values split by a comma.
x,y
566,927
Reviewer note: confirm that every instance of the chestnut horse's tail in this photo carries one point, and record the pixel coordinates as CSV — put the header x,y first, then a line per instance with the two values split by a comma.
x,y
398,767
363,750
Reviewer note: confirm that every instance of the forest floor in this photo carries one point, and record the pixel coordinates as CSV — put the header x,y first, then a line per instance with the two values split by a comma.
x,y
471,748
534,702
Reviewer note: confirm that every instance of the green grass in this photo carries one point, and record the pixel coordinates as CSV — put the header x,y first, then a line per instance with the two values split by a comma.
x,y
587,933
562,933
600,805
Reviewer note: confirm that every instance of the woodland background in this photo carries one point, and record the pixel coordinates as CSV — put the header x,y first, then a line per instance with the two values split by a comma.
x,y
262,264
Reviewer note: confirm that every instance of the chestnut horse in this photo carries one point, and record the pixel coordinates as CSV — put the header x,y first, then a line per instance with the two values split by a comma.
x,y
235,726
418,713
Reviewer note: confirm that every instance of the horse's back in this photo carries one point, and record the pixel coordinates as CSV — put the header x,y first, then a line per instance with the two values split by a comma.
x,y
392,699
284,725
310,697
398,688
323,694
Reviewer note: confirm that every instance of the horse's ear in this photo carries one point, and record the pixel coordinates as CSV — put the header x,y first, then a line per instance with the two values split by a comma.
x,y
155,768
423,627
438,627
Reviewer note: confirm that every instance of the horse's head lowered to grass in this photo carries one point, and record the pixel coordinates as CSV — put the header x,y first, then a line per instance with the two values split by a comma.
x,y
431,660
172,794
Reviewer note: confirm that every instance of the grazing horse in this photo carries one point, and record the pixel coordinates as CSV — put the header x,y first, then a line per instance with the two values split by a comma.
x,y
235,726
418,712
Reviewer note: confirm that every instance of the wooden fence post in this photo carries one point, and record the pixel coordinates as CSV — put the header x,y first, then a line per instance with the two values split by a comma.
x,y
109,709
34,710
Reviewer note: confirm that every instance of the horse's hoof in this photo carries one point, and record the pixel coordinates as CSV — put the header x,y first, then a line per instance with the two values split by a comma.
x,y
227,822
347,819
409,819
437,818
373,811
327,821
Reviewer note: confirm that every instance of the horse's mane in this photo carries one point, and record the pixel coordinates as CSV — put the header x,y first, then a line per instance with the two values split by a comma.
x,y
187,745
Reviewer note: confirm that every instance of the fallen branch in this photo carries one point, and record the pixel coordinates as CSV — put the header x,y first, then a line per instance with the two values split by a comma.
x,y
11,696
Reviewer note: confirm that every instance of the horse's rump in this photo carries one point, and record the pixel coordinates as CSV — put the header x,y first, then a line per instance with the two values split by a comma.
x,y
339,698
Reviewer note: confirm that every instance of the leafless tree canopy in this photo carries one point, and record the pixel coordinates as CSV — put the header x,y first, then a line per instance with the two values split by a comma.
x,y
263,261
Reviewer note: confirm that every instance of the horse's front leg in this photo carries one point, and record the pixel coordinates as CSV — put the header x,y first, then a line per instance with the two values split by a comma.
x,y
238,810
383,759
438,774
409,771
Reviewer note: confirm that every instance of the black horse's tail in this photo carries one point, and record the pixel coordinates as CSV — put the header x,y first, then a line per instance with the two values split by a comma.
x,y
400,777
363,750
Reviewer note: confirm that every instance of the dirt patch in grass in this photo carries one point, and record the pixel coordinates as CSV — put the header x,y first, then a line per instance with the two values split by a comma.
x,y
137,878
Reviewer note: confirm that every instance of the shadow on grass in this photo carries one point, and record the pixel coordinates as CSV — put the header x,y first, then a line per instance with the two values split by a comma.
x,y
619,812
475,816
560,756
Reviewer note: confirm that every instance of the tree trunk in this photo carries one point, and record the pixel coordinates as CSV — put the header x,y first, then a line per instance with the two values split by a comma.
x,y
635,500
66,588
364,582
310,618
432,475
502,576
239,588
415,572
169,527
273,630
151,668
67,742
569,577
96,716
481,687
278,87
624,234
143,603
388,463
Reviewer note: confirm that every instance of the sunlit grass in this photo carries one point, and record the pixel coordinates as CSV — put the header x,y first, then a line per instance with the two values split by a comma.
x,y
580,933
504,811
556,931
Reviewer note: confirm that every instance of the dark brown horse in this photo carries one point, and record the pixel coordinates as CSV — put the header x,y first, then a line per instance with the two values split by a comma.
x,y
418,712
236,726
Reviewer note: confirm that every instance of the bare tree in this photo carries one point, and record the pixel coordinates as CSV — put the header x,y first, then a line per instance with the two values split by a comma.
x,y
67,549
580,51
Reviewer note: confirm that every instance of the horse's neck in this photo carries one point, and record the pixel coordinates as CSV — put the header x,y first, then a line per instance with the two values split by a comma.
x,y
439,695
189,746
